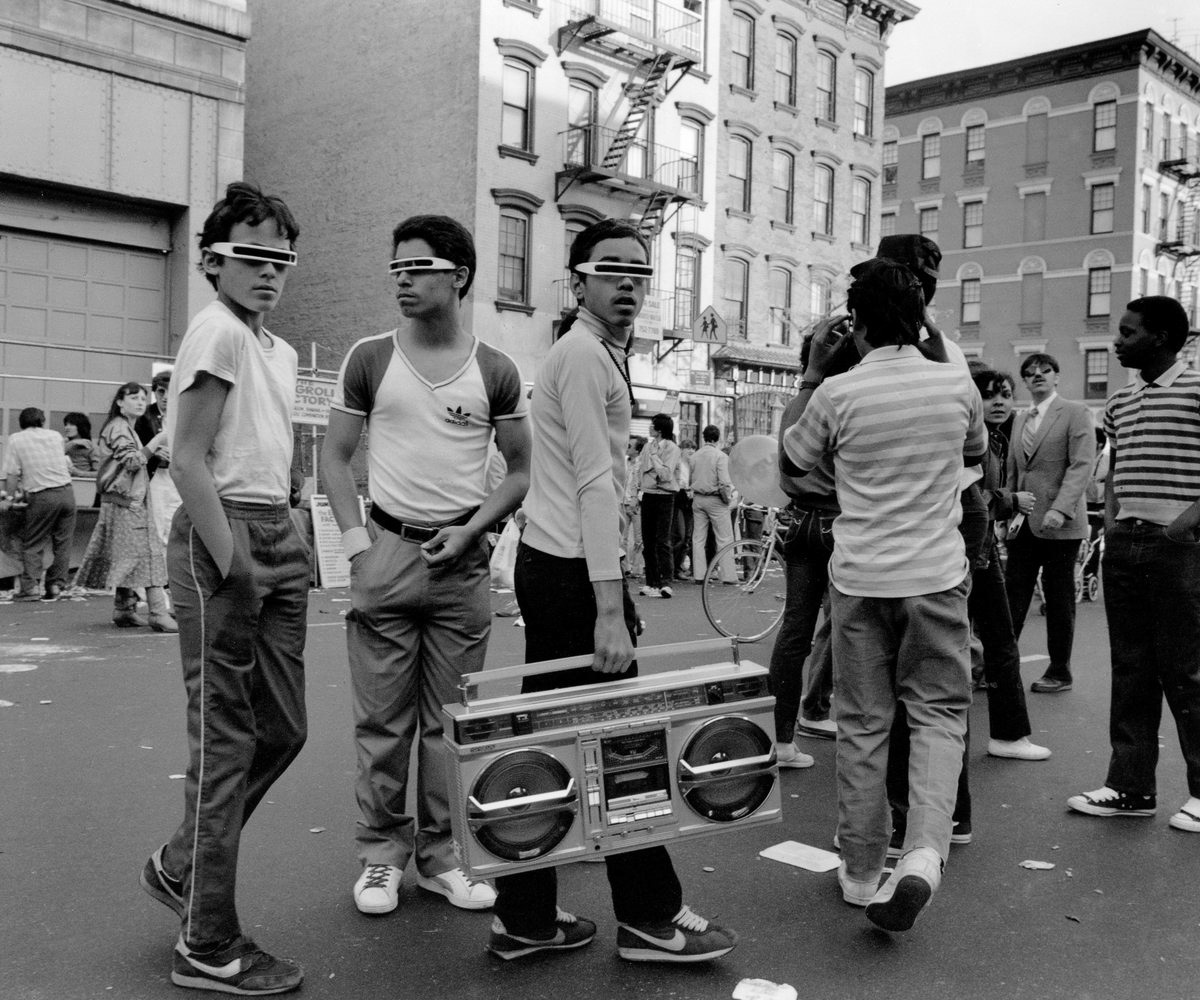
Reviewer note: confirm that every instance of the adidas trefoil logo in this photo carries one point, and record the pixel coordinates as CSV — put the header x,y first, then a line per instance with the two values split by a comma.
x,y
457,417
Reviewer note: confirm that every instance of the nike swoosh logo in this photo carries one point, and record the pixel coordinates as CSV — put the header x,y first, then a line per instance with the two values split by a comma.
x,y
226,971
559,938
676,943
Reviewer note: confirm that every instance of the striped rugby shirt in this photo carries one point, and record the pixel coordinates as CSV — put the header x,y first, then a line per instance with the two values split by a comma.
x,y
897,426
1155,431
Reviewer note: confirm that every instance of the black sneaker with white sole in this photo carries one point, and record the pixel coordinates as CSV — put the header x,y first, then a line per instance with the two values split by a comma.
x,y
157,883
239,967
686,937
1109,802
569,932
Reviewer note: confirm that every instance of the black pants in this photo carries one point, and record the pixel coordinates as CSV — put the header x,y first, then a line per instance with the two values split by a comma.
x,y
658,514
1056,559
559,608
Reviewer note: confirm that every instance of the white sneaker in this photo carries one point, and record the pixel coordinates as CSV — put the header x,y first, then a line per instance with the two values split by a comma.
x,y
1188,817
820,729
1021,749
378,889
896,906
854,892
665,592
648,591
790,755
459,889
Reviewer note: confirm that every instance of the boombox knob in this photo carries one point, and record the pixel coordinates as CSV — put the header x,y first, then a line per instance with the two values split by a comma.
x,y
715,694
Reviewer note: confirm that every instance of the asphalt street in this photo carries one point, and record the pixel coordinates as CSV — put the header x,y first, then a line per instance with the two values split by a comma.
x,y
92,739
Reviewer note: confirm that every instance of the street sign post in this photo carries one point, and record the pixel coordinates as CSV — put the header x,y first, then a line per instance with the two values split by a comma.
x,y
710,328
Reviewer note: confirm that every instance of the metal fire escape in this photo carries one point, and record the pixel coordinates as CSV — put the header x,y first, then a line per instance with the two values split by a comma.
x,y
661,51
1182,242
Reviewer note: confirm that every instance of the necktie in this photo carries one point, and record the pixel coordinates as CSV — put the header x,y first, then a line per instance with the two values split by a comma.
x,y
1029,431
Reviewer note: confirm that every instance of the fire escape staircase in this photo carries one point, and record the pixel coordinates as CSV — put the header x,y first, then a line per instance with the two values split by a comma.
x,y
1183,245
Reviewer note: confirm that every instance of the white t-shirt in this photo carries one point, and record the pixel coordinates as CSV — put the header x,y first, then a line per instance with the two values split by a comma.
x,y
251,456
427,442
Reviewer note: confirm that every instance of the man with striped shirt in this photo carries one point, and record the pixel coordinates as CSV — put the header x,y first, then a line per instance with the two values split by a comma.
x,y
898,427
1151,562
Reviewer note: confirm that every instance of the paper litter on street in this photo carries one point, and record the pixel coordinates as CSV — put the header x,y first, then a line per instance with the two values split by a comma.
x,y
792,852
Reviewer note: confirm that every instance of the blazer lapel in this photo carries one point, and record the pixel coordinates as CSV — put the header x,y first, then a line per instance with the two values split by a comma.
x,y
1048,421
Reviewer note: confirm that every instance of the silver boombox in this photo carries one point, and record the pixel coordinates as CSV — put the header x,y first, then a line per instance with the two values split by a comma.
x,y
547,778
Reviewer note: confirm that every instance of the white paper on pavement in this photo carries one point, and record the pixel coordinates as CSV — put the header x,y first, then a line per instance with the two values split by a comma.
x,y
763,989
792,852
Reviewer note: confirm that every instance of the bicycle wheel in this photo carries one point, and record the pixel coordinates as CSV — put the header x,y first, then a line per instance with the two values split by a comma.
x,y
750,608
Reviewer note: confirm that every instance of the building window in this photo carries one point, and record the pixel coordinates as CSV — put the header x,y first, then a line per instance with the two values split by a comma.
x,y
1104,126
1143,281
1148,128
1166,135
826,86
931,156
516,118
1099,291
691,146
820,297
737,274
973,224
972,293
976,140
1103,199
860,211
637,156
780,290
783,187
581,121
1096,368
687,280
864,102
887,224
928,223
1164,213
1147,198
740,161
742,50
785,69
513,285
823,199
891,162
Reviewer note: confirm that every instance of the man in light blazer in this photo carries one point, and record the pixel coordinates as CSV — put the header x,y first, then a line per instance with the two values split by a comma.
x,y
1049,464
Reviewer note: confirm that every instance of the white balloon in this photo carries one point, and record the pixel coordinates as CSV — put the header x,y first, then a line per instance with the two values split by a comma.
x,y
754,469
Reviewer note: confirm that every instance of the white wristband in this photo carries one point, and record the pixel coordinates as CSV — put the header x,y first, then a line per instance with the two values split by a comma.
x,y
355,540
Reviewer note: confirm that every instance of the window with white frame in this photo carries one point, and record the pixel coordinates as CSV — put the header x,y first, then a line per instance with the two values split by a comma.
x,y
1148,127
973,224
1099,300
887,224
823,199
741,48
1103,199
864,102
513,283
1104,126
827,86
820,297
516,116
737,293
783,187
1095,363
687,281
691,146
860,211
927,222
785,68
976,140
740,162
581,122
1147,207
972,297
1166,135
891,161
779,290
931,156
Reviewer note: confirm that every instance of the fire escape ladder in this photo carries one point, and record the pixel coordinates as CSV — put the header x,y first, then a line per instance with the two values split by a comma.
x,y
654,208
643,93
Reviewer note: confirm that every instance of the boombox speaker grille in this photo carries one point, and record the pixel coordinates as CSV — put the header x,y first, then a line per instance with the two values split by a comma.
x,y
728,773
522,832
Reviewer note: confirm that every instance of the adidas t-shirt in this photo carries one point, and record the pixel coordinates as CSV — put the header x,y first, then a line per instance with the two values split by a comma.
x,y
427,442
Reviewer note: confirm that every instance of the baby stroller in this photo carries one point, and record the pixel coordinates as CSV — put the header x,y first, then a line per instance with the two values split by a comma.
x,y
1087,563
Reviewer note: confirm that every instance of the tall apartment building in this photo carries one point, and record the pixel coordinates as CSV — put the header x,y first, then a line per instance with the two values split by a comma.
x,y
1059,186
798,192
528,119
120,122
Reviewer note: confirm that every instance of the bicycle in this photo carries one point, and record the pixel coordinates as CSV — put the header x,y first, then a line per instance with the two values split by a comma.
x,y
750,608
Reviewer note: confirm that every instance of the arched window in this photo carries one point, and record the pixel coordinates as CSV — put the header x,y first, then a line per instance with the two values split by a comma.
x,y
779,288
826,86
581,123
864,102
785,68
860,211
741,47
737,295
691,146
513,272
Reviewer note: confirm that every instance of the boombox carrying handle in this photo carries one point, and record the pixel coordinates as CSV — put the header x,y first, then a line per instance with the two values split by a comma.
x,y
469,685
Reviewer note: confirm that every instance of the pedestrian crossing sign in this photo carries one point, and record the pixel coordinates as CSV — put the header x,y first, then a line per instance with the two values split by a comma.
x,y
709,328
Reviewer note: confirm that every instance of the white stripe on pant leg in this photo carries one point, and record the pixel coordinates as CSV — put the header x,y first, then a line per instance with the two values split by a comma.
x,y
200,770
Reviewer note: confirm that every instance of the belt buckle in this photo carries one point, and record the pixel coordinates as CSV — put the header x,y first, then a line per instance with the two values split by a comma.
x,y
411,533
